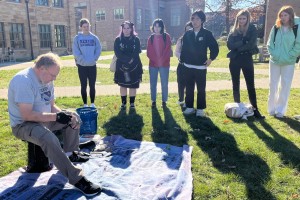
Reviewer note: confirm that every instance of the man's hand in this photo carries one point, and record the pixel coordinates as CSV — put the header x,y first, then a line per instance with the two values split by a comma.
x,y
75,121
207,63
63,118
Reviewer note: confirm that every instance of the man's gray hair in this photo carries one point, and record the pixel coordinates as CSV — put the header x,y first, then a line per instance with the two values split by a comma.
x,y
47,60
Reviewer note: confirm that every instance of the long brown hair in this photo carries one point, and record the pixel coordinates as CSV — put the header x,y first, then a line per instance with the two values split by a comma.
x,y
236,28
289,10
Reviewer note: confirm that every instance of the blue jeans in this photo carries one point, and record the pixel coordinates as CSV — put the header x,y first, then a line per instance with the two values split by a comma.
x,y
164,79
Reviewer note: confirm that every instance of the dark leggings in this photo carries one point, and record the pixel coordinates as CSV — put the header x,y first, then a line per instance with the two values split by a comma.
x,y
181,81
244,63
87,73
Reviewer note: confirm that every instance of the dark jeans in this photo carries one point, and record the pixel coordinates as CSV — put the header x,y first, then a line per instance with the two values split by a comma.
x,y
87,73
244,63
180,81
197,76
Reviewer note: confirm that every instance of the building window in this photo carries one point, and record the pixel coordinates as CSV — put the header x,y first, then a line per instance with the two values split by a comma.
x,y
175,16
119,13
100,15
45,35
17,36
2,36
58,3
60,36
147,19
138,19
42,2
15,1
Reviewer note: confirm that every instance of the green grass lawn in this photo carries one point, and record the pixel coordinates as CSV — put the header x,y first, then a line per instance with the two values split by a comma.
x,y
68,76
232,159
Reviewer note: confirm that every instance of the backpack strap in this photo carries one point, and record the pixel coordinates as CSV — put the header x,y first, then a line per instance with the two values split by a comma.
x,y
276,30
151,38
295,30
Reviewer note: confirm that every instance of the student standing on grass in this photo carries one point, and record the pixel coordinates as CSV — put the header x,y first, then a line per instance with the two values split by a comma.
x,y
159,52
284,47
34,116
195,61
242,43
129,67
180,74
86,50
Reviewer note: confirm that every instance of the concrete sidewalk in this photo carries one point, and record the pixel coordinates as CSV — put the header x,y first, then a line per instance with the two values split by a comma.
x,y
145,87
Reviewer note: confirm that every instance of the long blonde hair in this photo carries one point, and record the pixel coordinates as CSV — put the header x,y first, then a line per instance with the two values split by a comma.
x,y
236,28
289,10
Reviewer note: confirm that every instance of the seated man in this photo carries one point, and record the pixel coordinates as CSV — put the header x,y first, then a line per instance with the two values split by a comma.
x,y
34,115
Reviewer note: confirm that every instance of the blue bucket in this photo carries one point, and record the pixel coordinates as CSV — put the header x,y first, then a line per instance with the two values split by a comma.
x,y
88,116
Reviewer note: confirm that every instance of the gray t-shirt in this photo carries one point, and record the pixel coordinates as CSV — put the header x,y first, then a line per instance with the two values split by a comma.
x,y
26,88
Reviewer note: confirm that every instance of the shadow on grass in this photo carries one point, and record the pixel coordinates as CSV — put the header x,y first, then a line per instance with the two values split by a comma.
x,y
170,133
288,151
292,123
225,155
129,125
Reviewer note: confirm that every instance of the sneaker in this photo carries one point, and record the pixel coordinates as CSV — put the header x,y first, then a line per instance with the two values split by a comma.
x,y
180,103
87,187
164,104
132,106
153,104
297,117
200,113
189,111
257,114
85,105
123,106
76,157
184,105
272,113
279,115
93,105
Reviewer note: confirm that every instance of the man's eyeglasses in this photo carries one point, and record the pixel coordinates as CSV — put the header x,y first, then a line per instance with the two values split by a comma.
x,y
52,75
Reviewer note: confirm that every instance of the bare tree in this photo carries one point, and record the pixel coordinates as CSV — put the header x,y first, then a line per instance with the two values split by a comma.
x,y
225,7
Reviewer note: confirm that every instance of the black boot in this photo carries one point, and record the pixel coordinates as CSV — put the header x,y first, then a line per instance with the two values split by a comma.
x,y
257,114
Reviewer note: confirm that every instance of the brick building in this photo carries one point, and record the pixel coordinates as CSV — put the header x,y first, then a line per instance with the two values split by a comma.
x,y
107,16
49,27
54,23
272,10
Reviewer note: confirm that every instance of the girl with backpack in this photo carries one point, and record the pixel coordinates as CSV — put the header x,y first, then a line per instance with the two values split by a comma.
x,y
284,47
242,43
129,70
180,74
158,52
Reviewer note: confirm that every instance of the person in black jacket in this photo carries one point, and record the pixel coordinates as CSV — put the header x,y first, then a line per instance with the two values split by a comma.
x,y
242,43
129,69
194,58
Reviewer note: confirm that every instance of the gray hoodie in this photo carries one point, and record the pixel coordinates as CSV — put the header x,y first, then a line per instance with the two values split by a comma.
x,y
86,49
